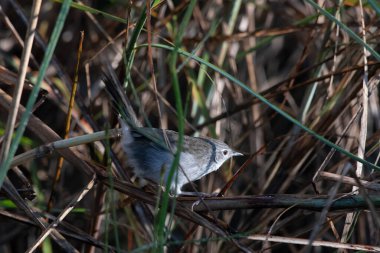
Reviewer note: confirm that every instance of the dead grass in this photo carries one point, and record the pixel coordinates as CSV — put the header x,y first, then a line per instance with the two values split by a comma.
x,y
292,192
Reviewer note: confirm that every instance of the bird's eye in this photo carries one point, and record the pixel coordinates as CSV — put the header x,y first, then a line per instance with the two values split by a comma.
x,y
225,152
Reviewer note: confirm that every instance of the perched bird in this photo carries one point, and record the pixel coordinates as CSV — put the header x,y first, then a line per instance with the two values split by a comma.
x,y
150,151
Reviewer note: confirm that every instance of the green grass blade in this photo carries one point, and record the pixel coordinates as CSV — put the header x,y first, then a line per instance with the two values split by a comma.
x,y
375,5
94,11
160,228
351,33
129,53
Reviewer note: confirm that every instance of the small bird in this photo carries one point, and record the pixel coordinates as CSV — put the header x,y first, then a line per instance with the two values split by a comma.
x,y
150,151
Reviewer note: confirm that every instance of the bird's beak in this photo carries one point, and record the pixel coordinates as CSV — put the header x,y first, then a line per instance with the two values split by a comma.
x,y
236,154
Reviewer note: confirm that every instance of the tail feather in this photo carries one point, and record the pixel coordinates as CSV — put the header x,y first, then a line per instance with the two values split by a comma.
x,y
120,100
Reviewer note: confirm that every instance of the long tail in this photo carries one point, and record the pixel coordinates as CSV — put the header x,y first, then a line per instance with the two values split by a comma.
x,y
120,100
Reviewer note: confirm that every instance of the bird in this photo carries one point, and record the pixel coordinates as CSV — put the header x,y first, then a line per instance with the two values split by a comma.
x,y
150,151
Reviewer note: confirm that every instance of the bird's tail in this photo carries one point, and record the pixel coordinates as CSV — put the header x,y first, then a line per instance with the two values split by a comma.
x,y
120,100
